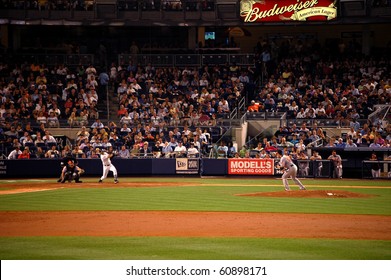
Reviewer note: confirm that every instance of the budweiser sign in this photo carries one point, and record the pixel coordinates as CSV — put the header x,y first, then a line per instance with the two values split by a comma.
x,y
287,10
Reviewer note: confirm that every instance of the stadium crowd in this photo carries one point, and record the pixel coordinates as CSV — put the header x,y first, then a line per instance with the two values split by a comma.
x,y
170,111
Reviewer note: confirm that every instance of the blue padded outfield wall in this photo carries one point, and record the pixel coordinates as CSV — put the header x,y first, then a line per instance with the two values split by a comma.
x,y
42,168
51,168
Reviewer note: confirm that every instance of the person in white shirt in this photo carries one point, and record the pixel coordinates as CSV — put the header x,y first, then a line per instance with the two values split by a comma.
x,y
224,105
97,124
192,152
301,114
126,119
180,150
350,144
107,165
290,171
15,153
48,138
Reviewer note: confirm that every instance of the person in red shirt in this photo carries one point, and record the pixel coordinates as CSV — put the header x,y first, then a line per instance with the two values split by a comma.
x,y
254,107
24,155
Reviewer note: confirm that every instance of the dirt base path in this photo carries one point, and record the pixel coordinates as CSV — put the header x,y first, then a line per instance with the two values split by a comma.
x,y
194,224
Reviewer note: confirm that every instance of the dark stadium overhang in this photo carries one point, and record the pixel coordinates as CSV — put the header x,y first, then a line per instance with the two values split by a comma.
x,y
195,23
224,13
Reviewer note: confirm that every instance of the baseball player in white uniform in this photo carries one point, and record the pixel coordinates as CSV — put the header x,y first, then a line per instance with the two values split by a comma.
x,y
107,166
290,170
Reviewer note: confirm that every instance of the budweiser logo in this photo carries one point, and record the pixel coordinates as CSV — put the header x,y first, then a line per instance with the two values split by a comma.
x,y
253,11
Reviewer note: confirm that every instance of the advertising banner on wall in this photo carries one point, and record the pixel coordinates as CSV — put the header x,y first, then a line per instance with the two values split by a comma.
x,y
187,165
287,10
3,168
250,166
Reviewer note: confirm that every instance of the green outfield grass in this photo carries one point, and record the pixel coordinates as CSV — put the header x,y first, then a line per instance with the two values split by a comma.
x,y
197,194
203,195
168,248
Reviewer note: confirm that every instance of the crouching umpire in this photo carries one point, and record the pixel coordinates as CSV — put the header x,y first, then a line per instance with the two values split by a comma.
x,y
71,172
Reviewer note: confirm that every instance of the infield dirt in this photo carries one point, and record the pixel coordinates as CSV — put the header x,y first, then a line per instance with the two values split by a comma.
x,y
189,223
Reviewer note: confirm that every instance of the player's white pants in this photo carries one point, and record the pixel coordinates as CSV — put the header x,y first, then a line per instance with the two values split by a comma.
x,y
319,170
338,171
291,173
106,169
375,173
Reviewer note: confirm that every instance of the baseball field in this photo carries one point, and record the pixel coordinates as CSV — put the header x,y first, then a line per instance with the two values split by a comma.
x,y
186,218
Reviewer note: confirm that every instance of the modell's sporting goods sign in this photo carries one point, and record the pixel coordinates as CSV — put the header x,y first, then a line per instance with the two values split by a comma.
x,y
287,10
251,166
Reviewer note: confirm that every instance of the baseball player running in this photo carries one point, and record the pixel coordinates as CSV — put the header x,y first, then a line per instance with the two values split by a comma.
x,y
290,170
107,165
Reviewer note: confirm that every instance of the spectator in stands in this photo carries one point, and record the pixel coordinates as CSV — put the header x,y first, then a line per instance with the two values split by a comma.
x,y
254,107
103,83
231,150
77,152
66,152
192,152
124,152
374,144
180,150
350,144
284,144
167,149
52,153
145,150
122,111
360,141
12,132
28,140
224,105
301,114
25,154
243,151
49,139
352,133
222,150
300,145
82,119
157,149
54,109
52,120
14,154
105,143
97,124
340,144
41,118
39,153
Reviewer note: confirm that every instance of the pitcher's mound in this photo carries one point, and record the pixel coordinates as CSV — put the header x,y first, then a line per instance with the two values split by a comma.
x,y
310,194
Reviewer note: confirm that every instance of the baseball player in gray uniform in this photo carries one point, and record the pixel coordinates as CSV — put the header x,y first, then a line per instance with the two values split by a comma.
x,y
107,166
290,170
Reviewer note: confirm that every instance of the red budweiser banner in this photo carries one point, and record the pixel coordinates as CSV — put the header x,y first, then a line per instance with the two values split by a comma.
x,y
287,10
251,166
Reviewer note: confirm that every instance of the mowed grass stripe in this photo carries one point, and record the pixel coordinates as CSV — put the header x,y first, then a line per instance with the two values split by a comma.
x,y
226,181
167,248
192,199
